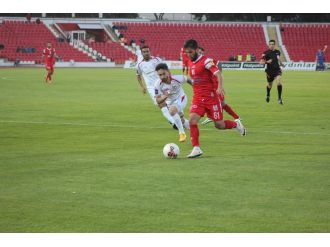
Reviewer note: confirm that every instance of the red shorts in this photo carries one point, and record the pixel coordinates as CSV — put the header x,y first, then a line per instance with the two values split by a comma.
x,y
212,108
50,65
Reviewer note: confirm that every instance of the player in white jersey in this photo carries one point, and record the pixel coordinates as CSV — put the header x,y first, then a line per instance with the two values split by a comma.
x,y
138,55
146,68
168,89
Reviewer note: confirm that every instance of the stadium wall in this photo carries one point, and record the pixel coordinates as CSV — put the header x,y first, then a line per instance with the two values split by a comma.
x,y
302,66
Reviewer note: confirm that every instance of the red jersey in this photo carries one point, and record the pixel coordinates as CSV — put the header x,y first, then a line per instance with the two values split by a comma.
x,y
184,57
215,78
216,81
202,73
49,56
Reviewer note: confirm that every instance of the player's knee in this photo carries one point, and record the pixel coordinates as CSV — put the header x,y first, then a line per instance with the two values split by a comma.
x,y
173,111
193,121
219,124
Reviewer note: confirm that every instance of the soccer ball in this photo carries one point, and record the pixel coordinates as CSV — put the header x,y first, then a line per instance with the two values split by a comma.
x,y
171,151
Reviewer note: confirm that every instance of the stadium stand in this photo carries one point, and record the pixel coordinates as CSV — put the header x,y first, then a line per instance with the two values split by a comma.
x,y
25,41
218,39
303,40
113,51
20,34
68,26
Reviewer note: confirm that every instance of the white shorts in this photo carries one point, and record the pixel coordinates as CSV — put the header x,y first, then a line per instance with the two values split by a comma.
x,y
179,103
151,91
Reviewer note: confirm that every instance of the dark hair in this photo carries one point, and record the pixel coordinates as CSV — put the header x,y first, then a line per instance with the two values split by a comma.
x,y
201,48
191,43
161,66
144,47
272,41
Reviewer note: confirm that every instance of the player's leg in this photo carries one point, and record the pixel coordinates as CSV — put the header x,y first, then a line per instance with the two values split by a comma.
x,y
270,79
229,124
229,110
185,122
209,120
166,113
215,112
268,88
195,115
279,88
163,106
173,109
48,73
181,104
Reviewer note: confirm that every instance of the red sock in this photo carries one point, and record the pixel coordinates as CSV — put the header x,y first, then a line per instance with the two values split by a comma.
x,y
230,111
194,135
49,76
230,124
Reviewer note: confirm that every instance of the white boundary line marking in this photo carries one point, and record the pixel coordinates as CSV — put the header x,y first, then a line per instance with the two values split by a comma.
x,y
8,79
154,127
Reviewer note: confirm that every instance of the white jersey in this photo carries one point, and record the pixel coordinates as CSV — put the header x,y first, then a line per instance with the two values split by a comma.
x,y
147,70
174,88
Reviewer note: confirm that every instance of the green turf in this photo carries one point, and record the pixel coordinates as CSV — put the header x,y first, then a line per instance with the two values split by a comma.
x,y
85,155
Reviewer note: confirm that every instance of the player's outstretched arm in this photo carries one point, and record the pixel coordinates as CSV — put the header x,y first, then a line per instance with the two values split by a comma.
x,y
325,48
280,62
220,89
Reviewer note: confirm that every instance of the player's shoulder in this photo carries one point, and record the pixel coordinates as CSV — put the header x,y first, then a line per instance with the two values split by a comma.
x,y
157,83
208,61
266,51
157,59
277,51
139,62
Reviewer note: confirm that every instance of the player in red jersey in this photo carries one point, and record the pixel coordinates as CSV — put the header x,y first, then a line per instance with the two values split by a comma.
x,y
49,55
185,60
224,105
205,98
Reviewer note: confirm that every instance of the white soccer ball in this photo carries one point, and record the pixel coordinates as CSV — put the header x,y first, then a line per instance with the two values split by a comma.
x,y
171,151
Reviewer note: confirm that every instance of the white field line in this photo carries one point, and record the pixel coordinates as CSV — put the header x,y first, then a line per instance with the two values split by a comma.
x,y
156,127
8,79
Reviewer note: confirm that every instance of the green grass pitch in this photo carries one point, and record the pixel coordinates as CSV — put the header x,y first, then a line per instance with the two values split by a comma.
x,y
85,155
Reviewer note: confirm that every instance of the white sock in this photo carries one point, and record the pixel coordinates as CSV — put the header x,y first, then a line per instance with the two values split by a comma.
x,y
178,123
186,124
167,115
